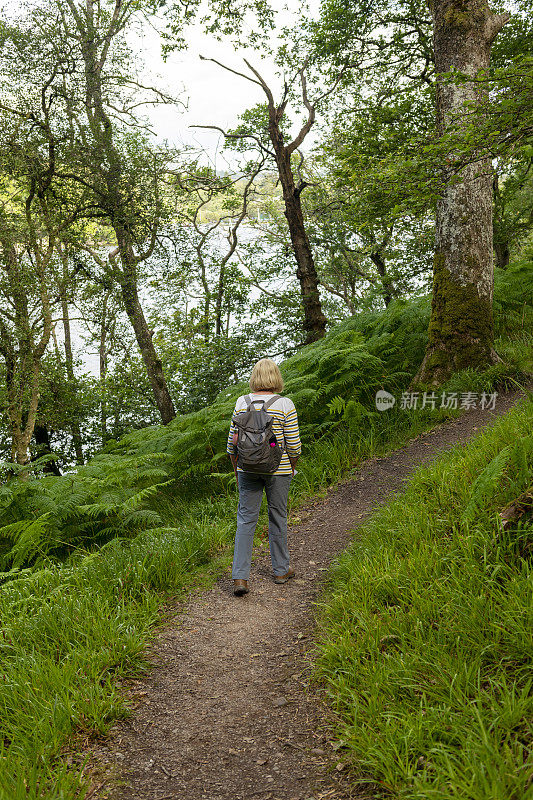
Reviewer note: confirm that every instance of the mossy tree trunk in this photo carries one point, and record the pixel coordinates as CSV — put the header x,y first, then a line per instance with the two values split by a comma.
x,y
114,187
461,330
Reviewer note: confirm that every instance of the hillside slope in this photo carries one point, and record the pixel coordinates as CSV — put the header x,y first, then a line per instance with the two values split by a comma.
x,y
425,628
148,478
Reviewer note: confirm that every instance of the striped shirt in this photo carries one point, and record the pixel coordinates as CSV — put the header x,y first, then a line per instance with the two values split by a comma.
x,y
284,427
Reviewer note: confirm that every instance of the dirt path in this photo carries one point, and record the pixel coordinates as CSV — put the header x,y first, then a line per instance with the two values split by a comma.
x,y
226,712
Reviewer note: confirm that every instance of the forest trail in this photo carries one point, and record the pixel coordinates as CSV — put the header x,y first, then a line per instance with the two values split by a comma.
x,y
226,711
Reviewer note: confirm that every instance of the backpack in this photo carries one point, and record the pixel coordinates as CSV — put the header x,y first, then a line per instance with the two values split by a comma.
x,y
254,443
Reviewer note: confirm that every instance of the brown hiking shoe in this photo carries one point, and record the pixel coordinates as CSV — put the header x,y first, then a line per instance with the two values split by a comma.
x,y
240,587
284,578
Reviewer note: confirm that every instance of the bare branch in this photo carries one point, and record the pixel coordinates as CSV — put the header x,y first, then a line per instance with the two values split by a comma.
x,y
237,136
235,72
253,280
304,130
261,81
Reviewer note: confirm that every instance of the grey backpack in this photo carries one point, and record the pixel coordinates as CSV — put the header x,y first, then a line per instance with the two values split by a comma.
x,y
256,446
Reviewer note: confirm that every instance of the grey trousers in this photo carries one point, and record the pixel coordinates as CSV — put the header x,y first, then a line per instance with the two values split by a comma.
x,y
251,487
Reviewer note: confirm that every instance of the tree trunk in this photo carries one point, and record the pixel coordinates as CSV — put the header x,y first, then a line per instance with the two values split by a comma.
x,y
102,353
499,232
387,287
127,279
23,360
461,332
502,253
21,432
218,301
314,319
44,448
75,426
143,334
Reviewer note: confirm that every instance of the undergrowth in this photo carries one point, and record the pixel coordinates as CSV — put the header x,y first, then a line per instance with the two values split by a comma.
x,y
71,632
425,629
87,558
332,383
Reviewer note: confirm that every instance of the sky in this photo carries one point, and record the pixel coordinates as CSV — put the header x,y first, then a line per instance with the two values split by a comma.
x,y
213,95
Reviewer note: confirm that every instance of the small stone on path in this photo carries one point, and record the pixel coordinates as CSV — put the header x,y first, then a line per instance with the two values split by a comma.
x,y
279,702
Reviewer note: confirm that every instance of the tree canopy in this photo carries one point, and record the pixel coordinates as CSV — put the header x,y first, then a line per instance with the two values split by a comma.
x,y
139,278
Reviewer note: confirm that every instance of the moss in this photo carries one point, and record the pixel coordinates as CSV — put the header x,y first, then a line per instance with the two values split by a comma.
x,y
463,14
461,328
455,18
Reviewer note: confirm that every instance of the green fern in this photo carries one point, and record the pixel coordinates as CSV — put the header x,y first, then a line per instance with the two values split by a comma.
x,y
332,382
336,406
30,538
513,463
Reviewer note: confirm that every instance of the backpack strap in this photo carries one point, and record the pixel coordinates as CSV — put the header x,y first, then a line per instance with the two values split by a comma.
x,y
268,403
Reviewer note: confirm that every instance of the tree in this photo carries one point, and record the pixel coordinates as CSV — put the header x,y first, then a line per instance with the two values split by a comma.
x,y
103,152
281,151
32,223
513,206
200,189
65,287
461,330
480,114
26,258
364,249
71,62
65,406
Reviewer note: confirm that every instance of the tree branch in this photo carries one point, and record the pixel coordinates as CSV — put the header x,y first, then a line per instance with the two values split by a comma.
x,y
237,136
235,72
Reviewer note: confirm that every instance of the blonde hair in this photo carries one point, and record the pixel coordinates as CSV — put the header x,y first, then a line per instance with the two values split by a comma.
x,y
266,375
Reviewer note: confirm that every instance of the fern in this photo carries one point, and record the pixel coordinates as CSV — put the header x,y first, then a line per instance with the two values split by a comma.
x,y
336,406
512,459
136,500
332,382
31,538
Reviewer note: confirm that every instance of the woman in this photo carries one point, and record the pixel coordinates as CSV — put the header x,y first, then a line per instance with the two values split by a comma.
x,y
265,385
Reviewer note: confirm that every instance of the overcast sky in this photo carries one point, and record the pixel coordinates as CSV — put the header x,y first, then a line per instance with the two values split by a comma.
x,y
213,96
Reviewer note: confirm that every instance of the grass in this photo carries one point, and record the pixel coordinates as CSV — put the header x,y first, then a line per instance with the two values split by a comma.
x,y
425,632
90,558
71,633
